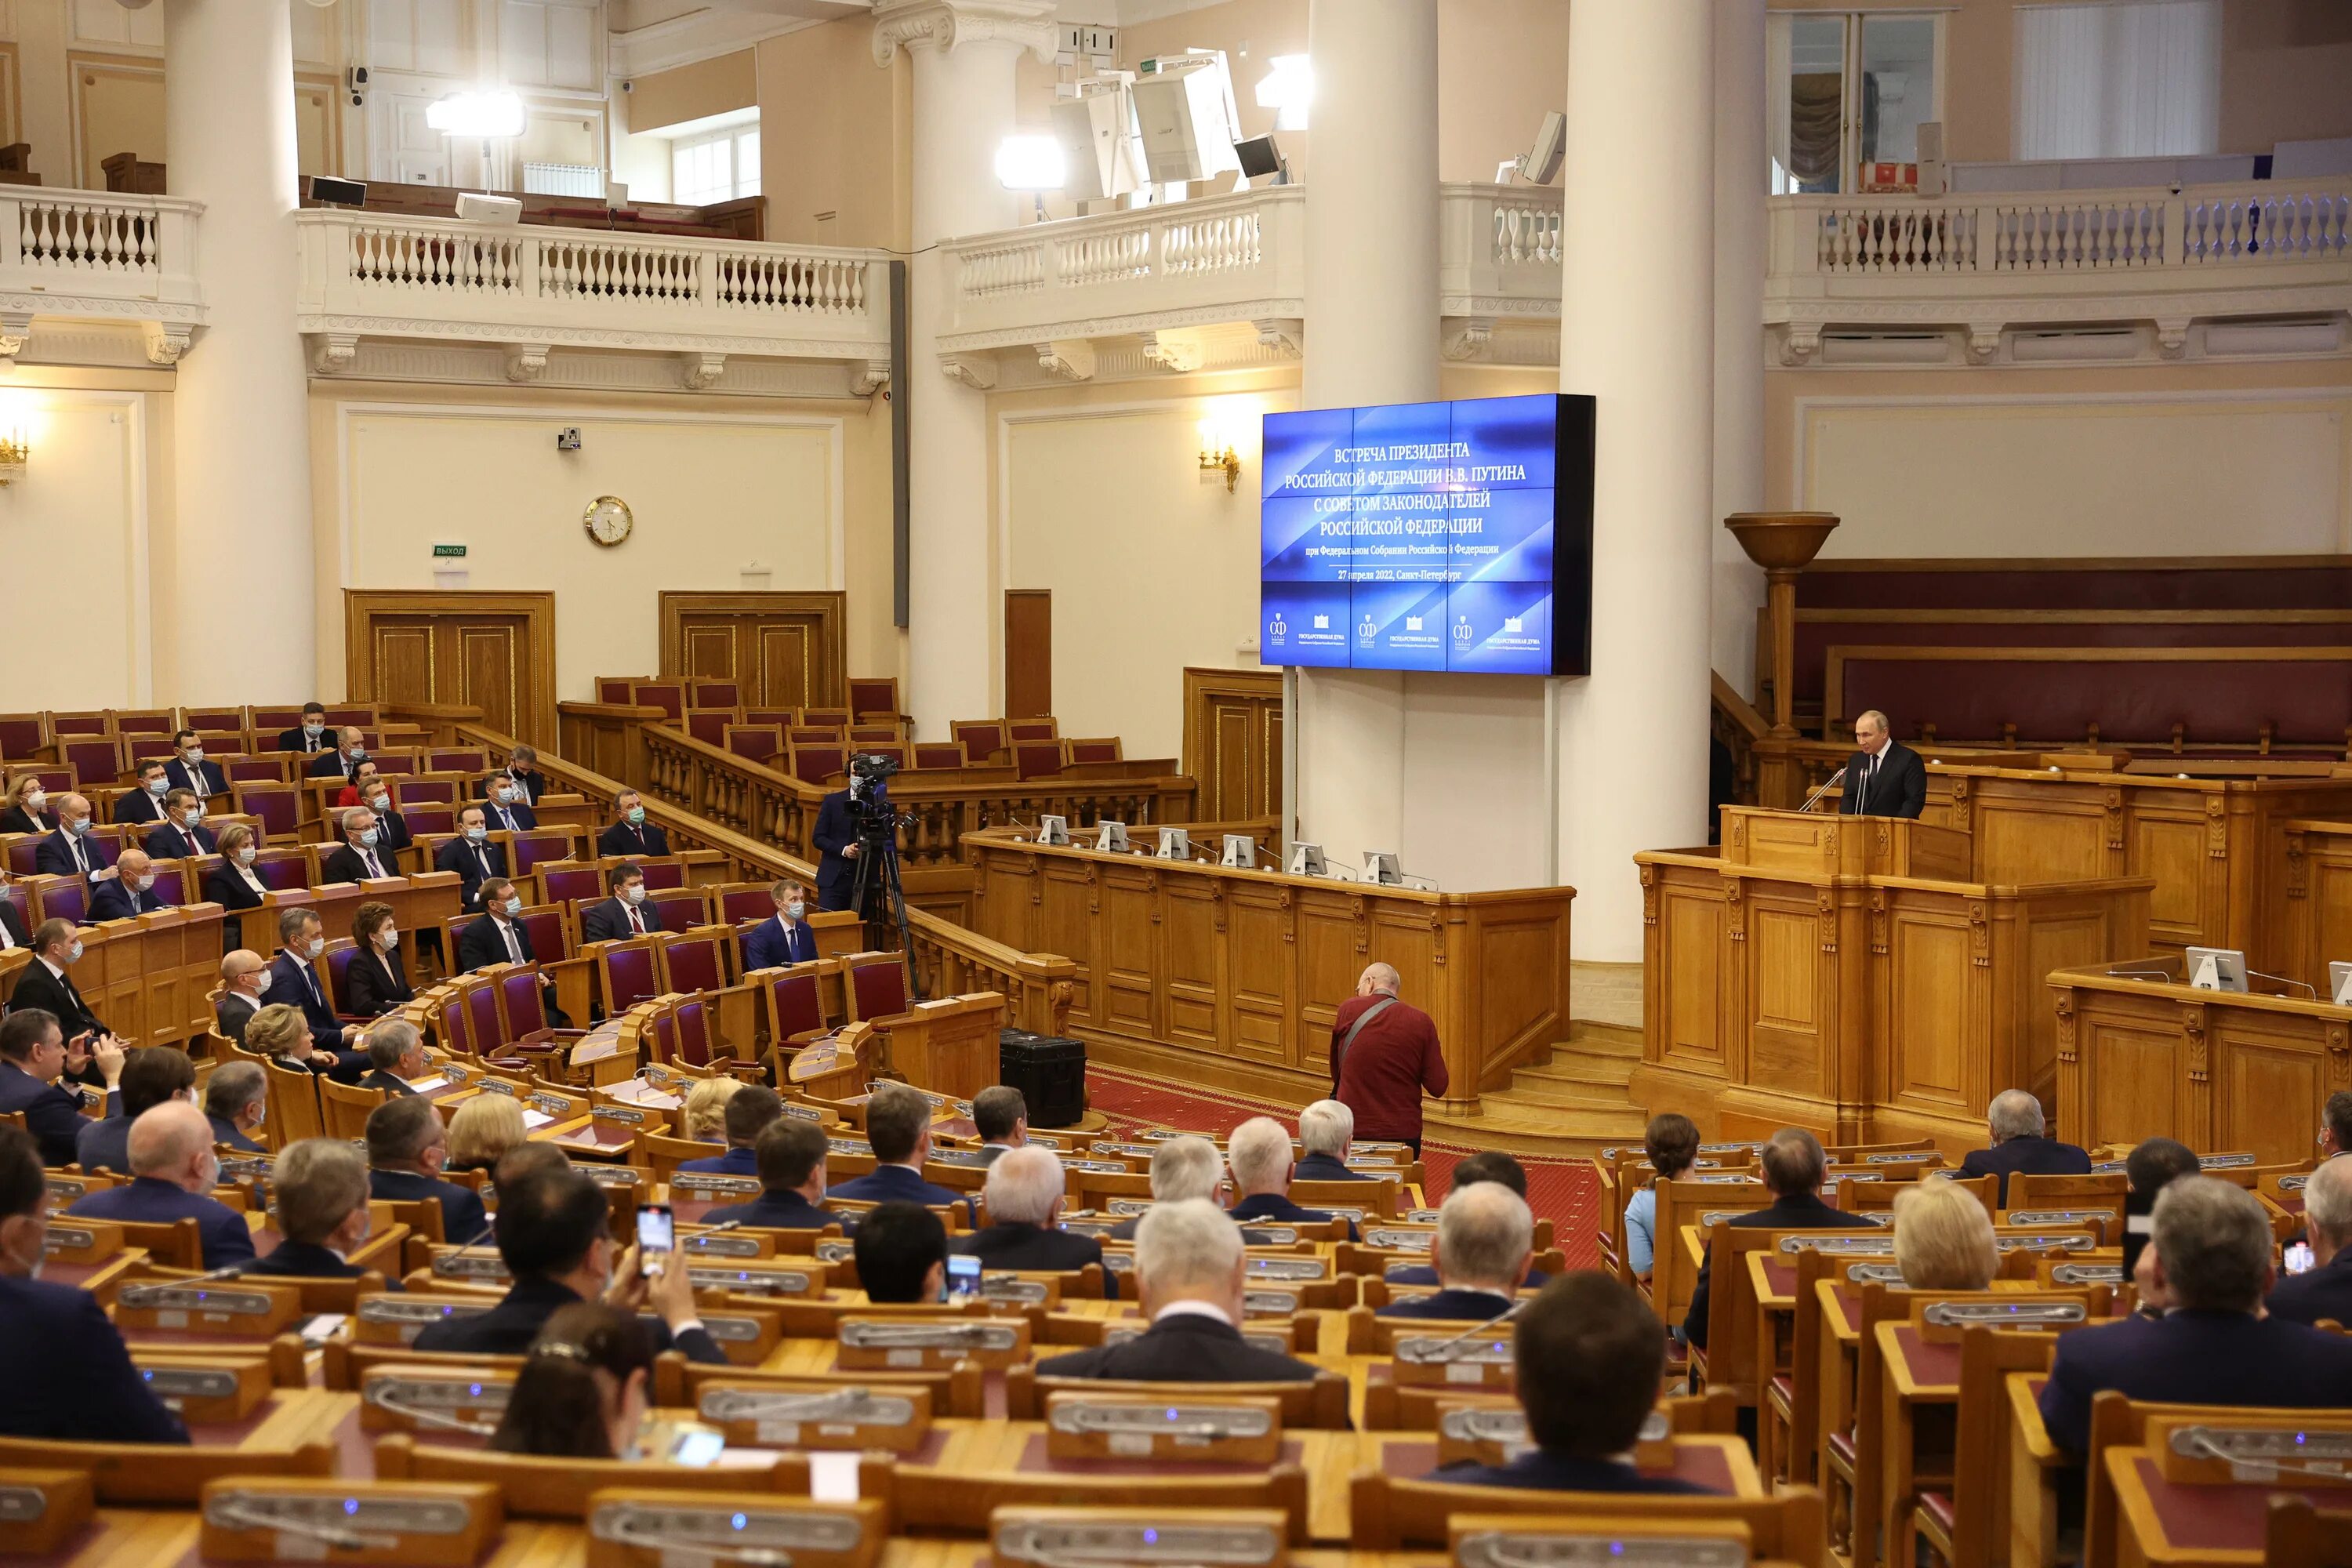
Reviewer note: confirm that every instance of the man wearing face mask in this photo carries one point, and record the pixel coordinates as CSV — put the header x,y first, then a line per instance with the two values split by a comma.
x,y
68,1377
174,1171
360,855
150,1077
245,980
47,983
311,737
295,978
236,1102
392,828
498,937
350,751
786,939
33,1057
631,835
624,914
508,803
71,850
472,856
130,894
395,1056
13,935
182,835
522,766
190,772
145,803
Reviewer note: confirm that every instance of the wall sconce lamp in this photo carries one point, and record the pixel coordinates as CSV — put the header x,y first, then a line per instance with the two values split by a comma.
x,y
14,450
1217,452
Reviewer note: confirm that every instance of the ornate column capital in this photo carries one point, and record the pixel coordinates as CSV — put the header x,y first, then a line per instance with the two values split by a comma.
x,y
942,25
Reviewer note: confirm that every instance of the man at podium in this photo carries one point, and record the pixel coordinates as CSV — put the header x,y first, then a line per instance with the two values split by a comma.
x,y
1883,778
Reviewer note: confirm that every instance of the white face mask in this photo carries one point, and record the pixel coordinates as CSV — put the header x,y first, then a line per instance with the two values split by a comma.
x,y
377,800
73,954
245,856
145,883
315,946
38,801
261,986
195,814
159,786
513,907
390,940
635,895
506,793
194,754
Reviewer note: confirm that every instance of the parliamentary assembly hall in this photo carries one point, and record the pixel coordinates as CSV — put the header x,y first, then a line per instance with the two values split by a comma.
x,y
1176,783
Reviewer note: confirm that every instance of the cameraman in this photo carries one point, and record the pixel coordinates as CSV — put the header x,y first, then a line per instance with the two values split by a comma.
x,y
853,824
835,837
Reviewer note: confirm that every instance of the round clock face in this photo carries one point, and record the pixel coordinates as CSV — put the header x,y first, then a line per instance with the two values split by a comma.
x,y
608,519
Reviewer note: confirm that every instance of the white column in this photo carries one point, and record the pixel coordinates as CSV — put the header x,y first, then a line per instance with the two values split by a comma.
x,y
1637,331
1740,180
965,52
241,426
1371,337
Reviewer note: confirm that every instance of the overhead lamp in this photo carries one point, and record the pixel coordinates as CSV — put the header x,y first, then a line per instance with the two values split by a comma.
x,y
16,450
1287,88
483,114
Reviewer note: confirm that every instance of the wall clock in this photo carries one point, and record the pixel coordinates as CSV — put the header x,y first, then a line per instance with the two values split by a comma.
x,y
608,519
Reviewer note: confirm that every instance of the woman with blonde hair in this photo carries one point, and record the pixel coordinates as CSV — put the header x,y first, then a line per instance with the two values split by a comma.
x,y
1943,1237
705,1112
484,1128
234,884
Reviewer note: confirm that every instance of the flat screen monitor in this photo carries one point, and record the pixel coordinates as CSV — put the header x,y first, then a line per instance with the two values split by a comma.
x,y
1429,536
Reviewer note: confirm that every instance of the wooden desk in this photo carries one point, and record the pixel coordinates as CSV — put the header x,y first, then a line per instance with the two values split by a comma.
x,y
2161,1521
146,977
1797,978
2146,1058
1231,978
2308,888
1919,1403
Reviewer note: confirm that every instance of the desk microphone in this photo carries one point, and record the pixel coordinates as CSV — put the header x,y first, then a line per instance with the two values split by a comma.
x,y
1436,1352
1827,784
148,1289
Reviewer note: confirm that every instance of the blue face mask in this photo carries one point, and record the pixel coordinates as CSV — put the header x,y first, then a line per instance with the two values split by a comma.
x,y
368,838
476,834
514,906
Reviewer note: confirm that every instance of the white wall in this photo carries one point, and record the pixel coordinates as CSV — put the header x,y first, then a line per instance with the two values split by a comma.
x,y
714,495
82,510
2234,473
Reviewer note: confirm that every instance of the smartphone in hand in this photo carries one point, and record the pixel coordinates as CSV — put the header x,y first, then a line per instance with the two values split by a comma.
x,y
656,1237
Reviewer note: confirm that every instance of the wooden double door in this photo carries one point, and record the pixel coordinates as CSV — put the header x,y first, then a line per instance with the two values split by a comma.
x,y
1233,741
434,647
782,649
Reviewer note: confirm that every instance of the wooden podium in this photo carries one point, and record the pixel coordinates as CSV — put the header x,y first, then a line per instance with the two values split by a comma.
x,y
1842,973
949,1046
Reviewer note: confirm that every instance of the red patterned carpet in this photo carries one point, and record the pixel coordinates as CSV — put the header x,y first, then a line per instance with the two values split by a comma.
x,y
1564,1191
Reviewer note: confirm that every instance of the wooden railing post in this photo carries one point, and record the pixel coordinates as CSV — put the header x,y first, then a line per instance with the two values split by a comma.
x,y
1783,543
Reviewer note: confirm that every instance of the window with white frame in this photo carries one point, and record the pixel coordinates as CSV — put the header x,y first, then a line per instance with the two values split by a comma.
x,y
715,166
2118,80
1846,94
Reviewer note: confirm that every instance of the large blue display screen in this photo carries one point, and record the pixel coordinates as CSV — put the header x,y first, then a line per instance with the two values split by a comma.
x,y
1429,536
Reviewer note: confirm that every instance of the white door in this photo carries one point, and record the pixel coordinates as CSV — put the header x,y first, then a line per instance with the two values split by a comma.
x,y
402,147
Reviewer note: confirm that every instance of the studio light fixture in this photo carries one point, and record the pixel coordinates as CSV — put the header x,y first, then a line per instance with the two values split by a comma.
x,y
1032,162
1287,89
489,115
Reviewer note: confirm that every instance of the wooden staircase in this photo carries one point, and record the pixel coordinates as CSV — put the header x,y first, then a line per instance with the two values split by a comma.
x,y
1566,1105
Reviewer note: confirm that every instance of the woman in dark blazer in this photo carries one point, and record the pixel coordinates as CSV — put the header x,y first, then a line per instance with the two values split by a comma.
x,y
375,983
230,883
20,817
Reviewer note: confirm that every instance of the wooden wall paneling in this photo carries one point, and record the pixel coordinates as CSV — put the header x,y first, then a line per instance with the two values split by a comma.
x,y
2137,1075
493,650
1686,1009
2257,1071
785,649
1028,653
1126,984
1522,949
1233,741
1067,924
1192,929
1261,988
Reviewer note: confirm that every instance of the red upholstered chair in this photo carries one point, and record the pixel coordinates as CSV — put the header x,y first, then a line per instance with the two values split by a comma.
x,y
59,899
283,867
819,765
932,754
757,742
1105,751
473,760
340,952
116,836
617,690
14,893
86,722
276,719
277,807
813,736
22,854
708,725
94,759
522,1008
692,961
534,847
864,735
682,908
359,715
550,931
837,718
669,696
628,972
663,873
873,696
202,719
692,1023
1018,729
714,694
427,792
422,820
149,721
745,904
174,886
22,735
398,765
270,769
455,1029
572,882
981,738
877,984
666,1034
795,1005
1037,759
783,718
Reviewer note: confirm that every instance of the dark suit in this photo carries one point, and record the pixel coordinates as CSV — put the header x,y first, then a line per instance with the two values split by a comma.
x,y
894,1184
1033,1247
2322,1292
479,945
37,987
468,861
1282,1211
114,900
182,776
1899,788
1538,1470
2033,1156
775,1209
392,1083
346,865
295,740
462,1219
375,984
55,856
17,819
330,765
172,842
740,1160
1451,1306
233,1012
143,1200
1184,1347
836,830
1804,1212
1425,1275
1323,1168
632,842
15,924
52,1115
301,985
305,1260
68,1375
105,1143
2194,1358
514,817
225,1135
225,886
508,1327
392,836
609,921
138,803
776,941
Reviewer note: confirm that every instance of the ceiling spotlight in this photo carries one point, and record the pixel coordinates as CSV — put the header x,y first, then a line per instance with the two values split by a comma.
x,y
1287,89
484,114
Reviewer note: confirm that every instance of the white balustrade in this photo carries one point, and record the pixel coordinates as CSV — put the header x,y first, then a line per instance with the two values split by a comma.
x,y
439,278
98,253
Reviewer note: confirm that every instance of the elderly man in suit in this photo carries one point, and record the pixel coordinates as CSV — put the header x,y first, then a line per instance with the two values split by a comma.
x,y
131,893
2213,1247
1589,1353
1484,1237
624,915
1793,1167
2325,1290
1025,1201
319,1189
236,1102
245,978
181,834
34,1055
407,1147
2019,1144
71,851
361,855
350,751
790,1154
1189,1267
499,936
1259,1153
68,1377
395,1054
472,856
190,772
1884,777
1326,1129
787,938
630,834
173,1173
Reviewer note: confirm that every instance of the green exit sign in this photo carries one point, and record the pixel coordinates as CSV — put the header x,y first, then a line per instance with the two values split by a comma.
x,y
449,552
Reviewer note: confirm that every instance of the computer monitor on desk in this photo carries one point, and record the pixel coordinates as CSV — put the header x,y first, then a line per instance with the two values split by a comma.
x,y
2339,983
2216,968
